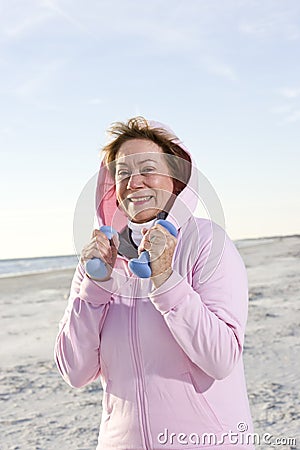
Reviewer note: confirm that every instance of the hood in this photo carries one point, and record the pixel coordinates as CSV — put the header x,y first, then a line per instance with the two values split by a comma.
x,y
183,207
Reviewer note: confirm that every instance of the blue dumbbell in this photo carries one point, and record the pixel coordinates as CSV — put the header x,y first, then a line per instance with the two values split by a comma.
x,y
141,266
95,267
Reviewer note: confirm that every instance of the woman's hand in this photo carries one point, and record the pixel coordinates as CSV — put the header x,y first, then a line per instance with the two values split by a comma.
x,y
161,246
100,247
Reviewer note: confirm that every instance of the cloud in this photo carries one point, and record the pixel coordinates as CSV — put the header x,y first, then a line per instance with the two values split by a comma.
x,y
102,19
95,101
267,28
56,8
20,18
5,130
289,93
271,19
221,69
288,111
282,109
18,29
255,28
216,66
35,88
42,78
293,117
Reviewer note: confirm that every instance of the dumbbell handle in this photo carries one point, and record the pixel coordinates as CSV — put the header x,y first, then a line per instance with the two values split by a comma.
x,y
95,267
141,266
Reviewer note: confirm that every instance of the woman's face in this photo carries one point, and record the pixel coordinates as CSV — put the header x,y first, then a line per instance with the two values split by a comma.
x,y
143,181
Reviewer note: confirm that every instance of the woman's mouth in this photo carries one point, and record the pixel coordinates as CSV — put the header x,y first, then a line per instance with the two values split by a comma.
x,y
140,200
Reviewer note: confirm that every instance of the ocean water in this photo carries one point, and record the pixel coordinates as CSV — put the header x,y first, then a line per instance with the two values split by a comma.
x,y
25,266
242,243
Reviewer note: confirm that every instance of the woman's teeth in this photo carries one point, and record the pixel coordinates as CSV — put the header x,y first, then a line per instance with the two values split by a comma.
x,y
140,199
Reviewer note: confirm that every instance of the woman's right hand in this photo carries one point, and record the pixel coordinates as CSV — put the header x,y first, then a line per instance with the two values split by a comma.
x,y
100,247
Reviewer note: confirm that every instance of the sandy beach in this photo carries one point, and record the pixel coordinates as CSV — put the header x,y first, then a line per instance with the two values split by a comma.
x,y
40,411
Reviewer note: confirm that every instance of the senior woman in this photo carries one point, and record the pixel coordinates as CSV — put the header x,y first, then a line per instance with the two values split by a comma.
x,y
168,349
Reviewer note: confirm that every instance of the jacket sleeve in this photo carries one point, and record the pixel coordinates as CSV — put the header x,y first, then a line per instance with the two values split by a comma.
x,y
208,319
76,350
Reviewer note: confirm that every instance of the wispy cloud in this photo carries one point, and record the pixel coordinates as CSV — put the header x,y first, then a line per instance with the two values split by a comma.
x,y
293,117
289,111
22,18
282,109
19,28
19,19
56,7
289,92
267,28
220,69
41,78
37,85
271,19
95,101
5,131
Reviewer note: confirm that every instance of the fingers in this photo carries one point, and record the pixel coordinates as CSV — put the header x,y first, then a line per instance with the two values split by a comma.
x,y
156,239
114,247
161,246
115,241
101,247
102,244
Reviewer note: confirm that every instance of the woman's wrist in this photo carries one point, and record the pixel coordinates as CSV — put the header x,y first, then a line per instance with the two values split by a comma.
x,y
158,280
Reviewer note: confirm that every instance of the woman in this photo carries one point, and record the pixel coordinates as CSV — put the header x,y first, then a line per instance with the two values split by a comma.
x,y
168,349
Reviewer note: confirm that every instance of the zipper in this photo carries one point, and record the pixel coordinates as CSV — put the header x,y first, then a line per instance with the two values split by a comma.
x,y
138,365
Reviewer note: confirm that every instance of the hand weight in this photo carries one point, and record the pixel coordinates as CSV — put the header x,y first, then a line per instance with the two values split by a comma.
x,y
95,267
141,266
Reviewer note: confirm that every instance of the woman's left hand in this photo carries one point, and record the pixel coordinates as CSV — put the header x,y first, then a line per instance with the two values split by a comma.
x,y
161,246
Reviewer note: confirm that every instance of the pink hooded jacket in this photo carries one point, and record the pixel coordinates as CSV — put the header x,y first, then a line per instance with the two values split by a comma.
x,y
169,359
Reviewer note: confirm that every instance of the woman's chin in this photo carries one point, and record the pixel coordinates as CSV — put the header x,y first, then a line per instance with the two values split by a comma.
x,y
143,216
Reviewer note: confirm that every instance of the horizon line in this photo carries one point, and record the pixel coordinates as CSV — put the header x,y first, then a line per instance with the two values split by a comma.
x,y
74,254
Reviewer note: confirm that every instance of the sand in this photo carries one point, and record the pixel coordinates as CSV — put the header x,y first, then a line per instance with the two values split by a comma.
x,y
40,411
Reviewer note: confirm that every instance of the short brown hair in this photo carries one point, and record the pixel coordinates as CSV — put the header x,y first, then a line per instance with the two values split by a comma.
x,y
138,128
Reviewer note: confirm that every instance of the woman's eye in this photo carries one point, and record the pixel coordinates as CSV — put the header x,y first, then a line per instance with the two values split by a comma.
x,y
148,170
123,173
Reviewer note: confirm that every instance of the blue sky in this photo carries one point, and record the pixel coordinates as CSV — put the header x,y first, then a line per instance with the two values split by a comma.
x,y
224,75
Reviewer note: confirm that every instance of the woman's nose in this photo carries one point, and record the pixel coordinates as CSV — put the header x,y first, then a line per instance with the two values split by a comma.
x,y
135,181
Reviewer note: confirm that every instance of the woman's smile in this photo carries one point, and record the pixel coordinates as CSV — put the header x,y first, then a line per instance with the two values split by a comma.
x,y
140,200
